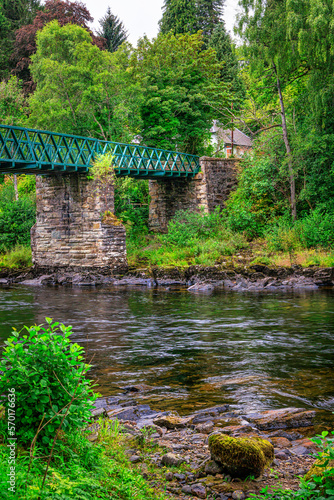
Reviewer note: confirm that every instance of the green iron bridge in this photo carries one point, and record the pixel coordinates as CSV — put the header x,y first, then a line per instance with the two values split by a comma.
x,y
28,151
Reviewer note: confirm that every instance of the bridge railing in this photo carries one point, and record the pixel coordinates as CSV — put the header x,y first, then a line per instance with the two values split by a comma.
x,y
39,151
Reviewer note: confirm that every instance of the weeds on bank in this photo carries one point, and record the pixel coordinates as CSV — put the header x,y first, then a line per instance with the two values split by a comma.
x,y
43,381
320,483
192,239
18,257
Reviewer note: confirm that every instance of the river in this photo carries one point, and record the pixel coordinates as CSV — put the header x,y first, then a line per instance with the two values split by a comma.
x,y
251,350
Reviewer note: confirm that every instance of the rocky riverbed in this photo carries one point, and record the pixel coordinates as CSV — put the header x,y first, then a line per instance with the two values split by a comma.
x,y
176,457
194,278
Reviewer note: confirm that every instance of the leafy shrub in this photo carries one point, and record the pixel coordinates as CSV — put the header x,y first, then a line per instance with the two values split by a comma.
x,y
317,486
19,257
317,229
45,371
132,206
283,237
187,225
16,220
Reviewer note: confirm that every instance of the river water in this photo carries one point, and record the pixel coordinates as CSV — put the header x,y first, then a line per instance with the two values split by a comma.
x,y
252,350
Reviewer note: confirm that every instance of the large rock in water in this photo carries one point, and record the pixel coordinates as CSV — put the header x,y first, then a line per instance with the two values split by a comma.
x,y
241,457
285,418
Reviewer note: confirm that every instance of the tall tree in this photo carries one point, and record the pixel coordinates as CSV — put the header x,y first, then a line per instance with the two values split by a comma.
x,y
221,41
65,12
13,15
209,15
112,30
263,27
179,16
181,86
190,16
80,89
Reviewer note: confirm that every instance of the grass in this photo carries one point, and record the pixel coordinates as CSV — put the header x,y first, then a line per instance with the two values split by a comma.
x,y
18,257
157,251
80,470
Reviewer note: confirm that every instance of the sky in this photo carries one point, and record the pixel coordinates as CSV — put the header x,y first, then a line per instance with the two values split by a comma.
x,y
142,16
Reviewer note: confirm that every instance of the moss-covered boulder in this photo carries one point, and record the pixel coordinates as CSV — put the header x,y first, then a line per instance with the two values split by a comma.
x,y
319,467
241,457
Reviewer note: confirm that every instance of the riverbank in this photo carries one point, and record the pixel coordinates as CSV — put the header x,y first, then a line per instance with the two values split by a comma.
x,y
256,277
173,454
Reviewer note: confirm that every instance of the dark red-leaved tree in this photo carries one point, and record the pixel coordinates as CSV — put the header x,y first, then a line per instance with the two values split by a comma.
x,y
65,12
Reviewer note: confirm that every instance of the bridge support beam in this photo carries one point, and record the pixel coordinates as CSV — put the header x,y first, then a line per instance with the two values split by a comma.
x,y
74,225
209,189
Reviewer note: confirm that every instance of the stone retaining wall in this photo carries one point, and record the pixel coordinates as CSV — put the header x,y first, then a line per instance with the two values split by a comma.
x,y
208,189
70,229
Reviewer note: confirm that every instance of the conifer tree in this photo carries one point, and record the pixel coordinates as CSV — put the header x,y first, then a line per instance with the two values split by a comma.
x,y
220,40
209,13
179,16
190,16
113,30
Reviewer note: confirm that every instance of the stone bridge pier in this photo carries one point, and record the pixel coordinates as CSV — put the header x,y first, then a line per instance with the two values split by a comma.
x,y
209,189
74,226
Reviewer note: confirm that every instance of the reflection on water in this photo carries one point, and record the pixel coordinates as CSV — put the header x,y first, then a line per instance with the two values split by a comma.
x,y
252,350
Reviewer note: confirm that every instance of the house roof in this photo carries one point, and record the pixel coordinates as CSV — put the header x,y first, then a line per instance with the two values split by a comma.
x,y
239,138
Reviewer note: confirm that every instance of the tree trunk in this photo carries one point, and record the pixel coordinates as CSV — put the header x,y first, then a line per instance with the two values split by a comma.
x,y
15,188
287,147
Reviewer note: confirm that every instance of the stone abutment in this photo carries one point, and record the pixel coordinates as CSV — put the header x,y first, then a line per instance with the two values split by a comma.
x,y
209,189
74,224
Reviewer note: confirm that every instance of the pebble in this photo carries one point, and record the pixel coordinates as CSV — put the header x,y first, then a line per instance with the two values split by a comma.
x,y
180,477
198,490
171,459
186,489
238,495
134,459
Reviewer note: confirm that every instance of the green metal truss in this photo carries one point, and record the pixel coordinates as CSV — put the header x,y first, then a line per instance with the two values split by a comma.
x,y
25,150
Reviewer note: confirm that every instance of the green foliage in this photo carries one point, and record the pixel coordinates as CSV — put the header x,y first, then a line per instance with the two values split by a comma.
x,y
47,373
314,230
191,16
181,83
132,206
320,486
13,105
16,219
187,225
19,257
221,42
81,89
80,470
192,238
112,30
179,16
102,169
13,15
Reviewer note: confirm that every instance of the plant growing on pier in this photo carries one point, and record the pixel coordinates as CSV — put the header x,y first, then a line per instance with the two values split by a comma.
x,y
47,373
102,169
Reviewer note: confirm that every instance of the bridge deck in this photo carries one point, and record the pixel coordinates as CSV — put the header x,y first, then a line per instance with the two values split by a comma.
x,y
25,150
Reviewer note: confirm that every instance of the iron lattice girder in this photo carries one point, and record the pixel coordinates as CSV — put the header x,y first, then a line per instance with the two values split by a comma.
x,y
25,150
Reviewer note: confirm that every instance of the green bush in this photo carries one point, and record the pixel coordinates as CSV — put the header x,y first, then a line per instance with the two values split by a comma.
x,y
44,370
283,237
187,226
317,229
314,486
132,206
18,257
16,220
